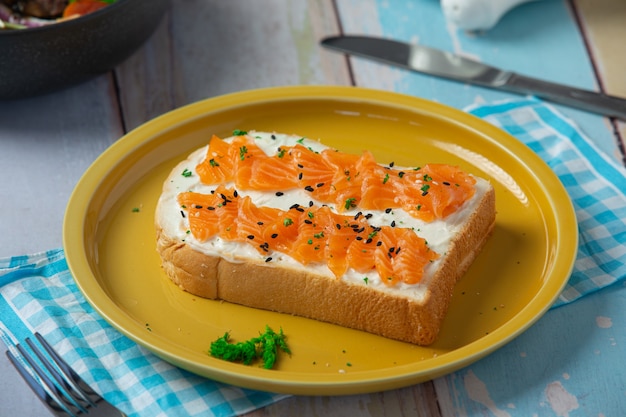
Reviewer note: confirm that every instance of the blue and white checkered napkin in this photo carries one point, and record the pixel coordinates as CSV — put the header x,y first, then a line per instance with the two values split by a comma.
x,y
595,183
37,293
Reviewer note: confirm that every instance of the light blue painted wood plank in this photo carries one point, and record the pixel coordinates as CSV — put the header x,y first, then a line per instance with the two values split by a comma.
x,y
571,363
539,39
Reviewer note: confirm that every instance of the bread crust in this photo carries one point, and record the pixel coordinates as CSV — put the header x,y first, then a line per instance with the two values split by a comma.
x,y
271,286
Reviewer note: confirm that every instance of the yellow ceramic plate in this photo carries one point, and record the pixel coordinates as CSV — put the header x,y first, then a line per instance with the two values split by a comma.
x,y
110,242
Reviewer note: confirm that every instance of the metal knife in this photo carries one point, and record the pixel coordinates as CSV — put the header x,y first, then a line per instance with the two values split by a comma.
x,y
448,65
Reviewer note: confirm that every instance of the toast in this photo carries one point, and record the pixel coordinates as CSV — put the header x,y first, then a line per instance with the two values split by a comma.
x,y
286,224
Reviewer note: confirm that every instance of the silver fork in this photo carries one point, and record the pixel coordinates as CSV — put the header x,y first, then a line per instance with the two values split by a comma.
x,y
59,387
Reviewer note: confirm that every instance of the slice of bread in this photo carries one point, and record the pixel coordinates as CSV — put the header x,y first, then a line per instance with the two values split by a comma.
x,y
237,272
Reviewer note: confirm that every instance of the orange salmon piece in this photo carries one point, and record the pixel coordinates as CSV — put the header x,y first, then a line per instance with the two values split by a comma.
x,y
252,221
360,255
313,173
247,156
383,257
346,183
311,241
339,236
402,256
457,187
273,172
219,163
227,209
412,254
282,232
203,222
377,187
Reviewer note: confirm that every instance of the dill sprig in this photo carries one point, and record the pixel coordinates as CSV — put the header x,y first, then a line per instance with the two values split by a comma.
x,y
264,347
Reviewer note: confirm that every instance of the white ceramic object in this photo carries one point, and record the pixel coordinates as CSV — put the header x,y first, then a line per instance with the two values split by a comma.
x,y
477,14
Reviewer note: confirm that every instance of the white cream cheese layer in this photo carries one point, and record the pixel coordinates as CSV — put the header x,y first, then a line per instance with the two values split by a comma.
x,y
438,233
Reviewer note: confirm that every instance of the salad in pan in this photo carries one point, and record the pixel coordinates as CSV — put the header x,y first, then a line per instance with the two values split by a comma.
x,y
23,14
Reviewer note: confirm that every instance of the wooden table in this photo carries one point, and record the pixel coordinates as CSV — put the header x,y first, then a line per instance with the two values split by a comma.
x,y
207,48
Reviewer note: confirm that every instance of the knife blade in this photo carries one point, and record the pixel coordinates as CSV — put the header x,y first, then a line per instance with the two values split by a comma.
x,y
448,65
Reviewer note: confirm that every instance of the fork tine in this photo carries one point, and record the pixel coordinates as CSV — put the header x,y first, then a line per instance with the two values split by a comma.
x,y
71,380
47,391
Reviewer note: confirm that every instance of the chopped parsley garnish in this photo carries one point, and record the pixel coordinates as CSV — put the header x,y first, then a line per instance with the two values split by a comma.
x,y
287,221
242,152
265,347
238,132
386,179
350,203
186,173
213,163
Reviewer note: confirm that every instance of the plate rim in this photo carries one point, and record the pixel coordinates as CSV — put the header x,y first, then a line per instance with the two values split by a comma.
x,y
540,303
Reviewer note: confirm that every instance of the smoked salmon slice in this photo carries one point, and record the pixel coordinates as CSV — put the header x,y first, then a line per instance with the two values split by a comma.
x,y
348,181
312,234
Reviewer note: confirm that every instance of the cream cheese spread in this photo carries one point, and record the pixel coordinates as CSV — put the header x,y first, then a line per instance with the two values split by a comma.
x,y
438,233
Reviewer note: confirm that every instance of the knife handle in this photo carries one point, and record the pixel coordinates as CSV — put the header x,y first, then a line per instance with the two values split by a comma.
x,y
583,99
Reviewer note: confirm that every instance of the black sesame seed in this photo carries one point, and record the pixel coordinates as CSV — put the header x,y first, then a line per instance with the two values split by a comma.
x,y
259,223
359,238
210,208
388,210
182,213
274,235
369,215
300,166
198,206
309,188
273,136
268,259
393,223
307,221
235,193
446,183
251,237
319,184
300,176
279,193
311,203
425,193
379,243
